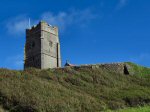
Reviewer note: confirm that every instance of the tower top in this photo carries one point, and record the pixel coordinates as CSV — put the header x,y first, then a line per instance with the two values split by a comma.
x,y
41,23
43,26
46,23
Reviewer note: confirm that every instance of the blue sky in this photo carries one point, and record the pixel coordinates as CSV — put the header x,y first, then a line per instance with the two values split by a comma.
x,y
90,31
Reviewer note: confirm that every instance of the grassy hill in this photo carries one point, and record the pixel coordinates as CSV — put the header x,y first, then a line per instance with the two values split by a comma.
x,y
73,89
136,109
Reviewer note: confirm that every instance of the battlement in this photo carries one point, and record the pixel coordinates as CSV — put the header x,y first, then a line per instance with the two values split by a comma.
x,y
42,26
48,28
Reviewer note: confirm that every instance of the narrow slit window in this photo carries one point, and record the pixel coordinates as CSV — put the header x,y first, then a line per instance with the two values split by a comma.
x,y
50,43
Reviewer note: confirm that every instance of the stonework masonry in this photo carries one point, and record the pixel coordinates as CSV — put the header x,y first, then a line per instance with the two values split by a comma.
x,y
42,47
42,50
119,68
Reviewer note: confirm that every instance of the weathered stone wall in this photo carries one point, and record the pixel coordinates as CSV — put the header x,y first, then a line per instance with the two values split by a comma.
x,y
50,51
121,68
33,47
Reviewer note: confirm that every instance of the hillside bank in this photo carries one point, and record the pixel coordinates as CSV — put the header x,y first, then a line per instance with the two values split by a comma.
x,y
74,89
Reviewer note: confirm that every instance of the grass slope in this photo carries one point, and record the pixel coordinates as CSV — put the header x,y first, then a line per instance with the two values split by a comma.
x,y
73,89
137,109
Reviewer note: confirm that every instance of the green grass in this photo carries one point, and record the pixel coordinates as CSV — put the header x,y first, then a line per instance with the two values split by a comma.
x,y
139,70
137,109
72,90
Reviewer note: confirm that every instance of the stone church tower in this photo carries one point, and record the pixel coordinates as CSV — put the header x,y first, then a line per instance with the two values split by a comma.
x,y
42,48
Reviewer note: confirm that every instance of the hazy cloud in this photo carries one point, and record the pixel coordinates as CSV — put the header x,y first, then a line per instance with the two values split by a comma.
x,y
18,24
121,4
65,19
73,17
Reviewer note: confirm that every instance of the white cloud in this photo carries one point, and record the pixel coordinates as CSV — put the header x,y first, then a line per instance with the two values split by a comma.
x,y
59,19
65,19
17,25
